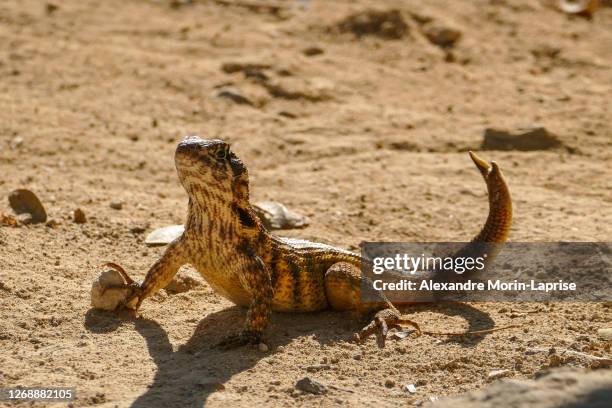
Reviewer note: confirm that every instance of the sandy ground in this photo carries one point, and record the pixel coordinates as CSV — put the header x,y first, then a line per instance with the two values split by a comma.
x,y
367,138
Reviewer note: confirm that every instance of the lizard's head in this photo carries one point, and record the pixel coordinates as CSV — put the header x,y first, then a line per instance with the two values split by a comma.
x,y
207,167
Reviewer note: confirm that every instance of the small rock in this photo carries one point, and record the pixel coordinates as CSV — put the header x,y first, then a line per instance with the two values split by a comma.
x,y
52,223
495,374
402,334
287,114
139,229
605,334
24,201
51,8
387,24
411,388
311,386
17,142
104,298
24,219
312,51
276,216
79,216
182,283
442,36
317,367
583,8
164,235
522,139
263,347
116,205
389,383
234,96
233,67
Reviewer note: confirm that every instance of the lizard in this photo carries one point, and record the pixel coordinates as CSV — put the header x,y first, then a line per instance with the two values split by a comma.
x,y
242,261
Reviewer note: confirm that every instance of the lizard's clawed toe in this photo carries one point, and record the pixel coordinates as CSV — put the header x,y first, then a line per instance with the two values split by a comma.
x,y
135,289
244,338
377,326
380,325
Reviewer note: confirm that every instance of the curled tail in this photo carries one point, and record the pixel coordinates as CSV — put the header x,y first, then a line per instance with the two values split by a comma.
x,y
499,220
488,242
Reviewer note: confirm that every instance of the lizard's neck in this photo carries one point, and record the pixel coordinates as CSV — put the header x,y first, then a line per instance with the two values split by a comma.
x,y
208,213
226,211
234,218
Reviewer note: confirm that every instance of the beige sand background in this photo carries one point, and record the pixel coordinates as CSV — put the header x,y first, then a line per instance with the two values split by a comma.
x,y
367,139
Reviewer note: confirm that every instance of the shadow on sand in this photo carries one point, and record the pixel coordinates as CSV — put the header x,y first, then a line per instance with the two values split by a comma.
x,y
187,376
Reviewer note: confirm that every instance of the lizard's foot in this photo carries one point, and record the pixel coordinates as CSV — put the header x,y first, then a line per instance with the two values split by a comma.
x,y
135,290
245,337
383,321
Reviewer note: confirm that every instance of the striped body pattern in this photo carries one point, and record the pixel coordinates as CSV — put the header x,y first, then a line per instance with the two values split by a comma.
x,y
242,261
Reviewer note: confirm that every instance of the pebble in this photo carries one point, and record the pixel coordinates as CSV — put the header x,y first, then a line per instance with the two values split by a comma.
x,y
17,142
442,36
182,283
138,229
388,24
263,347
111,298
116,205
605,334
164,235
584,8
402,334
312,51
317,367
495,374
411,388
311,386
234,96
24,219
389,383
52,223
79,216
51,8
24,201
275,215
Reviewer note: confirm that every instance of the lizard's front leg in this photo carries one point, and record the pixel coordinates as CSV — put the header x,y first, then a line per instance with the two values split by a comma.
x,y
254,276
159,275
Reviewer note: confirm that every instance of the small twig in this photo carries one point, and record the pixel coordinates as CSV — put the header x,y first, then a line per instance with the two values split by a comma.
x,y
273,8
475,332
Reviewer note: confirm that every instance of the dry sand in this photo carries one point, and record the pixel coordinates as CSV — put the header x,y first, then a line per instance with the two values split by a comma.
x,y
367,138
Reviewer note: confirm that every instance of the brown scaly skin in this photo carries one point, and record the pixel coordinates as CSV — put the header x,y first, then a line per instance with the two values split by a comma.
x,y
228,244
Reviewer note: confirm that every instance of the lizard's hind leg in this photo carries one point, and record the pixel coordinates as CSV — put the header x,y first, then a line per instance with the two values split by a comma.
x,y
343,291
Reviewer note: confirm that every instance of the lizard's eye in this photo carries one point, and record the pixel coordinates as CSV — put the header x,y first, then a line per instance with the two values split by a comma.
x,y
221,154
